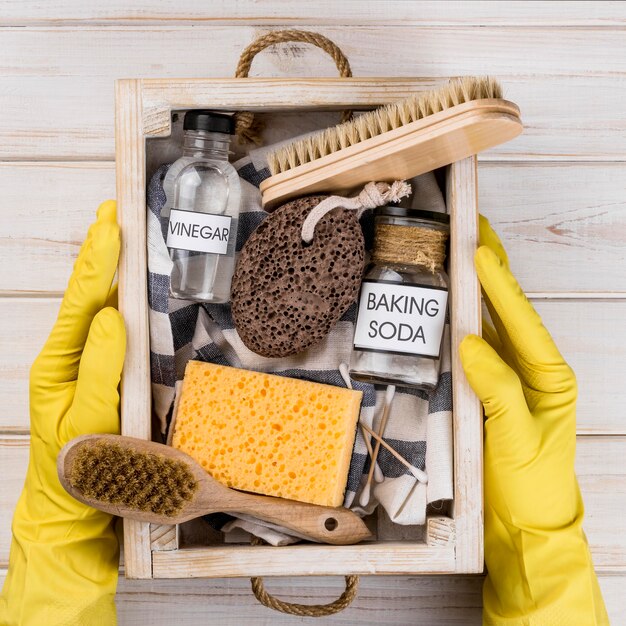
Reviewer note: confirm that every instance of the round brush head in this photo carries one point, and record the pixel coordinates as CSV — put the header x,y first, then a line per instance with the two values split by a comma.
x,y
139,480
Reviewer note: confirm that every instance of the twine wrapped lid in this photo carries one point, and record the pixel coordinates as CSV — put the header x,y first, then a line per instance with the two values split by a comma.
x,y
410,237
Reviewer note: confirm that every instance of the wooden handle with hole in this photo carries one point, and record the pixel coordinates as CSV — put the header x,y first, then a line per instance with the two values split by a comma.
x,y
338,526
324,524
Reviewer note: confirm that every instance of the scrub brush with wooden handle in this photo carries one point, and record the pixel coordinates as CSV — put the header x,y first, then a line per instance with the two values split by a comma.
x,y
150,482
394,142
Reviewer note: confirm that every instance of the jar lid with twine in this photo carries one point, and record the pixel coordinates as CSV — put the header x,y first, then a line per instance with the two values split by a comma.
x,y
398,241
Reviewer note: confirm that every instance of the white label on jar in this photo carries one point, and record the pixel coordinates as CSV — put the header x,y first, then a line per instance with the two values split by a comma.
x,y
400,318
198,232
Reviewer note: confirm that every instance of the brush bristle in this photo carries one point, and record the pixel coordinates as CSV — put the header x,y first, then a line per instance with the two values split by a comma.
x,y
386,118
142,481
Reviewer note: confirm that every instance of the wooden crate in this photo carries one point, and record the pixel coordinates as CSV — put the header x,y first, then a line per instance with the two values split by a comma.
x,y
448,544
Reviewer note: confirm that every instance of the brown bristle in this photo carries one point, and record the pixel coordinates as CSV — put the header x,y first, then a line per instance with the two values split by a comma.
x,y
142,481
382,120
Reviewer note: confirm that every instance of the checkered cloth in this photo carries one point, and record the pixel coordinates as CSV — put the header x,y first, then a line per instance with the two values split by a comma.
x,y
419,425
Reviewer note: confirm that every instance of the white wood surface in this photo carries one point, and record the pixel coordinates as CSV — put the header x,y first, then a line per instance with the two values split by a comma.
x,y
590,333
556,195
569,217
389,600
401,601
387,12
443,600
570,102
599,463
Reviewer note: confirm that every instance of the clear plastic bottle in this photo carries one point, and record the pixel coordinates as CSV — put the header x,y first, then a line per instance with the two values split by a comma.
x,y
403,302
203,195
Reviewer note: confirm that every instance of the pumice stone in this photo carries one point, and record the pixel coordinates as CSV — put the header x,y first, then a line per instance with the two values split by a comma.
x,y
286,294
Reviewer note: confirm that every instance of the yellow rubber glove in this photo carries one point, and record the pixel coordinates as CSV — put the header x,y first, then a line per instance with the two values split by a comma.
x,y
539,566
64,555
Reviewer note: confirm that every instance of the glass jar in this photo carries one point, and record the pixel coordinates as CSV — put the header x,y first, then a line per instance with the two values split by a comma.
x,y
203,194
403,302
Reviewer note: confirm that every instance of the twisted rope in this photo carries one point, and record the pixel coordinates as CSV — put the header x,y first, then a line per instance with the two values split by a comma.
x,y
307,610
304,610
371,196
247,128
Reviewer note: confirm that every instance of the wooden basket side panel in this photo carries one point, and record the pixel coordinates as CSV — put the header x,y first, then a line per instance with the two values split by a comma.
x,y
143,110
465,318
161,96
385,558
164,537
133,298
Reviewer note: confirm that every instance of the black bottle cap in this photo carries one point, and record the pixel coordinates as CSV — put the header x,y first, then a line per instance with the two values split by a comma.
x,y
396,211
209,121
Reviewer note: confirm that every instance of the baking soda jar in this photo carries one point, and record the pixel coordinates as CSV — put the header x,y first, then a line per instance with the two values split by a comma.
x,y
203,194
403,301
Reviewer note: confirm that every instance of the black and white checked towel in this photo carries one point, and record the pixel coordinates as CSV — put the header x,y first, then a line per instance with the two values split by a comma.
x,y
419,425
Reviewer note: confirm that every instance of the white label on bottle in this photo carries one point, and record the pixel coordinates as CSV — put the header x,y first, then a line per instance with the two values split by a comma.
x,y
198,232
406,319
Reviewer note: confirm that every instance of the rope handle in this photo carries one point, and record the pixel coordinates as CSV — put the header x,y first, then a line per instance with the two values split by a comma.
x,y
307,610
247,128
304,610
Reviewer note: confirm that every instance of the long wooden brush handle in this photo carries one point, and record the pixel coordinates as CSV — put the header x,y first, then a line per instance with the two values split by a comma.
x,y
320,523
337,526
245,127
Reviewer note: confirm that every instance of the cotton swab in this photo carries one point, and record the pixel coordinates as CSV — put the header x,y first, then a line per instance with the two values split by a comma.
x,y
365,494
378,474
418,473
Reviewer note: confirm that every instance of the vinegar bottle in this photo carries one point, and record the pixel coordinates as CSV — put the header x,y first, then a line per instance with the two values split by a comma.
x,y
203,194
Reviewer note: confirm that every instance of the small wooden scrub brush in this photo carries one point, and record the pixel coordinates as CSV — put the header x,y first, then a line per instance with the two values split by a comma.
x,y
150,482
397,141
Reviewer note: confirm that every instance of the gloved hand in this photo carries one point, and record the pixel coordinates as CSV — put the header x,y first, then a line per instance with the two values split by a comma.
x,y
64,555
538,561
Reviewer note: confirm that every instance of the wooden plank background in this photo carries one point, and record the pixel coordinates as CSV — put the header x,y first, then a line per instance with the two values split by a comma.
x,y
557,195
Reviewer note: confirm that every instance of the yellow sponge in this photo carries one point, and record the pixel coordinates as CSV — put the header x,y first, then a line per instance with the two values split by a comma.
x,y
268,434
